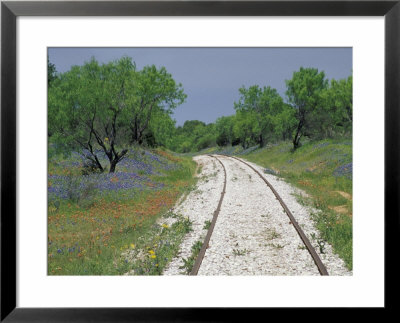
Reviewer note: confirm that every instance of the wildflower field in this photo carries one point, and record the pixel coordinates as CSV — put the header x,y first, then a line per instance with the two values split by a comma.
x,y
323,169
106,223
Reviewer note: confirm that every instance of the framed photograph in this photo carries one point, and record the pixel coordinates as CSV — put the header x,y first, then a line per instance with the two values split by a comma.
x,y
81,174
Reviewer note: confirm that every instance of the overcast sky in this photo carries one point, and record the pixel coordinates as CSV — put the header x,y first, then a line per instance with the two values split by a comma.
x,y
211,77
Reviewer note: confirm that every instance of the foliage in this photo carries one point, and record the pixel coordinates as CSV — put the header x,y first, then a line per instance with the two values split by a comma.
x,y
161,127
315,109
109,106
304,92
154,90
246,128
224,128
338,100
284,123
51,72
263,106
193,136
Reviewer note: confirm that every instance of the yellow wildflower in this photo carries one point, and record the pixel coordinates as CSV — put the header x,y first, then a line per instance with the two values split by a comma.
x,y
132,246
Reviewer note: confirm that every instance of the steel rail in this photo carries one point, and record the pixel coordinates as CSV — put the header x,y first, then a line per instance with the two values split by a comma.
x,y
204,247
321,267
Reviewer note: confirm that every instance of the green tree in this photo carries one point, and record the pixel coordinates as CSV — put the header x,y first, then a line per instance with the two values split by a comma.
x,y
95,107
51,72
224,130
190,125
304,92
185,136
246,128
339,101
204,136
162,126
265,103
194,135
152,89
284,122
88,109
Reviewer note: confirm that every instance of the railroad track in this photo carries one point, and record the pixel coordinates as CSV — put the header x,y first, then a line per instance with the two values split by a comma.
x,y
321,267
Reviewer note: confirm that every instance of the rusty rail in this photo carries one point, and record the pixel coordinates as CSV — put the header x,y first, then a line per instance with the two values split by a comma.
x,y
317,260
204,247
321,267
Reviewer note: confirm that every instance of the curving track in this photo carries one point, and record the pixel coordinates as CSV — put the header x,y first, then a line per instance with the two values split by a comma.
x,y
250,232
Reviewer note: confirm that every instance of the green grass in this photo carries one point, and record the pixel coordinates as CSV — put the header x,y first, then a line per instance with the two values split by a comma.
x,y
114,235
189,262
312,168
160,243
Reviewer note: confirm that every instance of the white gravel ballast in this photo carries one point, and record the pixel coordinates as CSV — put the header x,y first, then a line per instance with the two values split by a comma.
x,y
199,207
253,235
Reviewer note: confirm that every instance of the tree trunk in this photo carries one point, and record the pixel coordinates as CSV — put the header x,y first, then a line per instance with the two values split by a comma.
x,y
297,136
139,138
113,164
261,141
117,158
93,158
98,163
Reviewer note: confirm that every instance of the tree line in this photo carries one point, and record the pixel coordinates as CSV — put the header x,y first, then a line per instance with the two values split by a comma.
x,y
315,108
106,108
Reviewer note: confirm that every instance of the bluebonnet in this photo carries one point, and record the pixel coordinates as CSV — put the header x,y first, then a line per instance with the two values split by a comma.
x,y
134,174
321,145
269,171
344,170
248,150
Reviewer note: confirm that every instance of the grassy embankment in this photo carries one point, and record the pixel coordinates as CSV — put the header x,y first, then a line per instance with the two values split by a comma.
x,y
106,224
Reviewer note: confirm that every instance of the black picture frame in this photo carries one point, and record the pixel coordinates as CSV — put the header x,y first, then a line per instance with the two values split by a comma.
x,y
10,10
